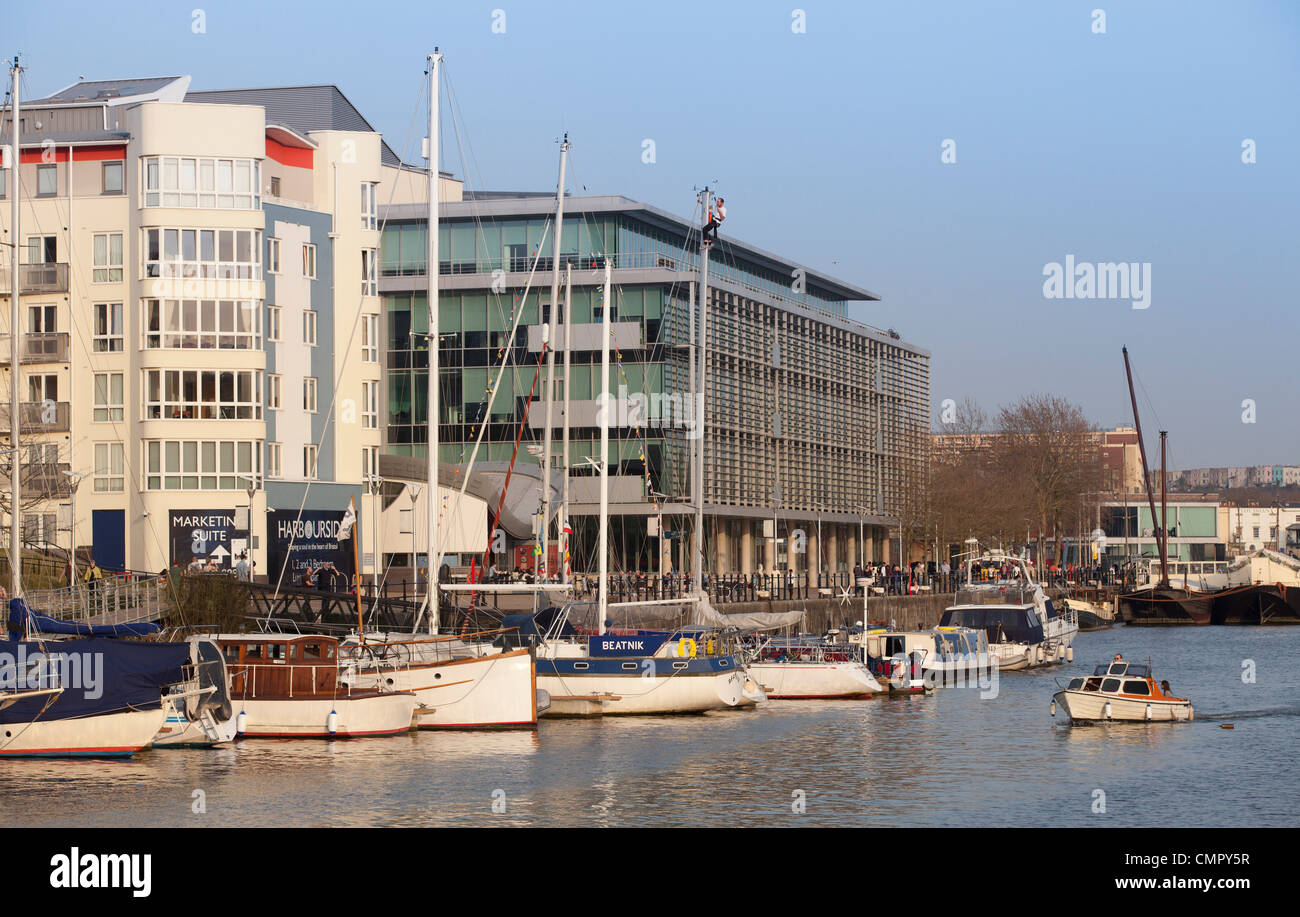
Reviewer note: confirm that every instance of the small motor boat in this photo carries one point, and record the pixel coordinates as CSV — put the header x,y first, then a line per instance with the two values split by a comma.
x,y
1120,692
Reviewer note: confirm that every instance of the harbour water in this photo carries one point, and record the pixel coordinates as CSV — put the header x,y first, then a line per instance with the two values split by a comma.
x,y
949,759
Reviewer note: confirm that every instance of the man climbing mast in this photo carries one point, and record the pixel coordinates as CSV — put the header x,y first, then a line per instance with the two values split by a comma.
x,y
716,216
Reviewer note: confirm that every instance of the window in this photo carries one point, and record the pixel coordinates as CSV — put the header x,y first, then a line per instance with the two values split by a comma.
x,y
201,464
274,453
203,182
1256,533
369,257
108,257
204,324
112,174
42,319
189,394
42,249
108,327
4,182
40,528
275,186
272,255
370,338
369,211
108,397
309,261
369,462
309,394
47,180
110,468
370,405
43,388
273,391
309,455
273,323
309,327
223,254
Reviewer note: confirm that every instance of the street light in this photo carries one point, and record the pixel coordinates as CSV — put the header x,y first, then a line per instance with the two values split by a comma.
x,y
374,483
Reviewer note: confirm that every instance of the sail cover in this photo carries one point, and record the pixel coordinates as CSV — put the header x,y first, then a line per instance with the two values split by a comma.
x,y
691,612
22,620
97,676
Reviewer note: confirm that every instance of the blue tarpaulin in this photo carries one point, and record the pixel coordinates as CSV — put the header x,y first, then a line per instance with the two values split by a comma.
x,y
35,622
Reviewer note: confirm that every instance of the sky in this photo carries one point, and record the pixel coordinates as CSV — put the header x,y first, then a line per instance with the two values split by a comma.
x,y
940,154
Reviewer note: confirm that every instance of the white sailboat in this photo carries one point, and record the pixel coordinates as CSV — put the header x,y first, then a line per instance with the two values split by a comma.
x,y
459,682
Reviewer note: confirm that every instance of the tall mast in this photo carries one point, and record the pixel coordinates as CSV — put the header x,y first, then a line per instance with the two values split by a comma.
x,y
15,420
431,277
1146,472
550,333
1164,512
565,538
701,395
604,407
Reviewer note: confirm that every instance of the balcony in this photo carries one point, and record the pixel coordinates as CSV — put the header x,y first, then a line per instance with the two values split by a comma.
x,y
38,417
51,347
51,277
45,480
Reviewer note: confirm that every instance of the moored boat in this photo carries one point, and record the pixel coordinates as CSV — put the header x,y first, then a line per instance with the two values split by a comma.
x,y
807,669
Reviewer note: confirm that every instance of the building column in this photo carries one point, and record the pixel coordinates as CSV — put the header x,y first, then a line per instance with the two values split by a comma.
x,y
814,551
722,551
747,546
769,551
832,549
853,546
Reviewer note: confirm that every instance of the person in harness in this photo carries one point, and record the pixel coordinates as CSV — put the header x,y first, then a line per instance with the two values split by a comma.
x,y
716,216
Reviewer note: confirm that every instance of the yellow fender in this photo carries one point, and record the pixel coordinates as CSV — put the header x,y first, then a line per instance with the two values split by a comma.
x,y
682,644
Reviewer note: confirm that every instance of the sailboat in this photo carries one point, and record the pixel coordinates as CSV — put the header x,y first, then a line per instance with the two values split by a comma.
x,y
461,682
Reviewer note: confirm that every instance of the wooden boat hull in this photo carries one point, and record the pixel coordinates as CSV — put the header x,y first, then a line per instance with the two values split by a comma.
x,y
815,680
1090,707
481,692
1260,604
1164,607
308,718
105,735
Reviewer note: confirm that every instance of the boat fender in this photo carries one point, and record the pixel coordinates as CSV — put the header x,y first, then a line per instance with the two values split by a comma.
x,y
1150,713
241,723
1053,706
682,645
332,722
1105,711
1069,654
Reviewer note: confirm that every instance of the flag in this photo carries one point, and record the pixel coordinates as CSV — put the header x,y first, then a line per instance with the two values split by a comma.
x,y
349,520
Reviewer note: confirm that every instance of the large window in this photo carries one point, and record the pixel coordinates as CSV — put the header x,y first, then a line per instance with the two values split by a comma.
x,y
370,405
225,254
370,338
108,397
369,286
208,183
110,468
369,208
108,327
47,180
185,394
108,257
112,175
205,324
201,464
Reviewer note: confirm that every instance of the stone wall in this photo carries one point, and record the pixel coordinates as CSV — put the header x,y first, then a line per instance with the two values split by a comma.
x,y
905,612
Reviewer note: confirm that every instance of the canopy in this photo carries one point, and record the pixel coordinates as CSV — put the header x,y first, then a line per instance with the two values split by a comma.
x,y
97,676
24,621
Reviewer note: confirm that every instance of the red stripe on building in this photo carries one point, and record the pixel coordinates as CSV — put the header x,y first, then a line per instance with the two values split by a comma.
x,y
59,153
287,155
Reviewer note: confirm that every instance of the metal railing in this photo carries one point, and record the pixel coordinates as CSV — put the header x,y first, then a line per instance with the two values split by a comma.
x,y
48,277
39,416
43,347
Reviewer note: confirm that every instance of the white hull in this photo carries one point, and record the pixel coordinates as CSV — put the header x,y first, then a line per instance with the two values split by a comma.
x,y
1090,707
810,680
178,731
377,715
633,694
108,734
478,692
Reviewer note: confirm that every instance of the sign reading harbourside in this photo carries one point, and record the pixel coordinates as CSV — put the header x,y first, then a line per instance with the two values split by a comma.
x,y
203,535
296,542
615,645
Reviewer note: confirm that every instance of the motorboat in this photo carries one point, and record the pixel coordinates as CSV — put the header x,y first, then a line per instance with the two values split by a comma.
x,y
896,658
293,687
1121,692
803,668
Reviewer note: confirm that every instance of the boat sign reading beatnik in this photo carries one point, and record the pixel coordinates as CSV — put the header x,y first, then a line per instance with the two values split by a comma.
x,y
614,645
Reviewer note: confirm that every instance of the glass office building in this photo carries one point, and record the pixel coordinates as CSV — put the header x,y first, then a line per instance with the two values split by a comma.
x,y
814,420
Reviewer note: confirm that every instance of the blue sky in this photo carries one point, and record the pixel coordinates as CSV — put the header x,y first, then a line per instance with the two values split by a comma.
x,y
1123,146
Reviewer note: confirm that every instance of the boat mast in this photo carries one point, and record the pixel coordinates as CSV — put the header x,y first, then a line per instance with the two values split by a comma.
x,y
550,333
1164,512
1146,473
565,537
603,408
15,484
701,394
431,278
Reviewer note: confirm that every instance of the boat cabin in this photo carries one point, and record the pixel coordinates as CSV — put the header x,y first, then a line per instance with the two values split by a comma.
x,y
281,665
1000,623
960,641
1122,679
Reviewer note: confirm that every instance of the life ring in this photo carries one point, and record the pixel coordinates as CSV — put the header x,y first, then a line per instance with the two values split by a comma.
x,y
681,647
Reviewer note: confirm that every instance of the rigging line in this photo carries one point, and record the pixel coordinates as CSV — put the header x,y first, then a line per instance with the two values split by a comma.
x,y
347,355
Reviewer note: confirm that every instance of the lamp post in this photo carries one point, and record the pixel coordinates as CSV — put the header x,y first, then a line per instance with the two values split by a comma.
x,y
374,484
76,477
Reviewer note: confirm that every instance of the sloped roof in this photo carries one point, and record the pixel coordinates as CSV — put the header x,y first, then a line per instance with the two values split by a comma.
x,y
98,90
302,108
